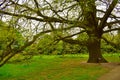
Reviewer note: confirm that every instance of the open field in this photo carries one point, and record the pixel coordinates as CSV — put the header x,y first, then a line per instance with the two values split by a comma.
x,y
68,67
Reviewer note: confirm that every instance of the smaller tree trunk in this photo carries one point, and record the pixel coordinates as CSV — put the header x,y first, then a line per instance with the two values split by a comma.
x,y
6,58
93,46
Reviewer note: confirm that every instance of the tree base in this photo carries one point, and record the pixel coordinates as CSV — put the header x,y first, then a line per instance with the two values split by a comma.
x,y
97,60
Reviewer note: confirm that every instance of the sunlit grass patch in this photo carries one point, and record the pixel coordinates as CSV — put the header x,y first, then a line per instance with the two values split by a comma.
x,y
114,57
54,67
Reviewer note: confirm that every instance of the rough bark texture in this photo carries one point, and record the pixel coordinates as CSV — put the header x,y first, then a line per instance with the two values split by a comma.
x,y
95,55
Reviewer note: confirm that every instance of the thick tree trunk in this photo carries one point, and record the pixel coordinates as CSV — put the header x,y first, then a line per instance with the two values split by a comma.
x,y
95,55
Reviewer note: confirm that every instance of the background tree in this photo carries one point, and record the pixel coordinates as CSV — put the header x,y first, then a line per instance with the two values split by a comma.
x,y
68,16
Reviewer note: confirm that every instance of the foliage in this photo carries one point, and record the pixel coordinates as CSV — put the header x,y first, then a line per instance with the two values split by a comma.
x,y
44,45
47,45
108,48
9,34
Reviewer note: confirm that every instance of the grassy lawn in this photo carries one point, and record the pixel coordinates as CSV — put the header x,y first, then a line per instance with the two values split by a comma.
x,y
69,67
112,57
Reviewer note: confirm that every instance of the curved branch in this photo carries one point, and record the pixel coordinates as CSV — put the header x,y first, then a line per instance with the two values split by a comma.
x,y
46,19
13,52
109,42
73,34
72,41
107,14
106,31
114,22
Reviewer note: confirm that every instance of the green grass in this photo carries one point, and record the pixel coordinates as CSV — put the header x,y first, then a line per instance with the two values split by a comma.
x,y
68,67
112,57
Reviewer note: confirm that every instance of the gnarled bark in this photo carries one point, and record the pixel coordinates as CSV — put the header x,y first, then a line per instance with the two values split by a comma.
x,y
93,46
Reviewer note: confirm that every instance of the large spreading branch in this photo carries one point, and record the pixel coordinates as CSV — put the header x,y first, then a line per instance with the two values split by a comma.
x,y
46,19
113,22
72,41
110,42
72,35
107,14
13,52
106,31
